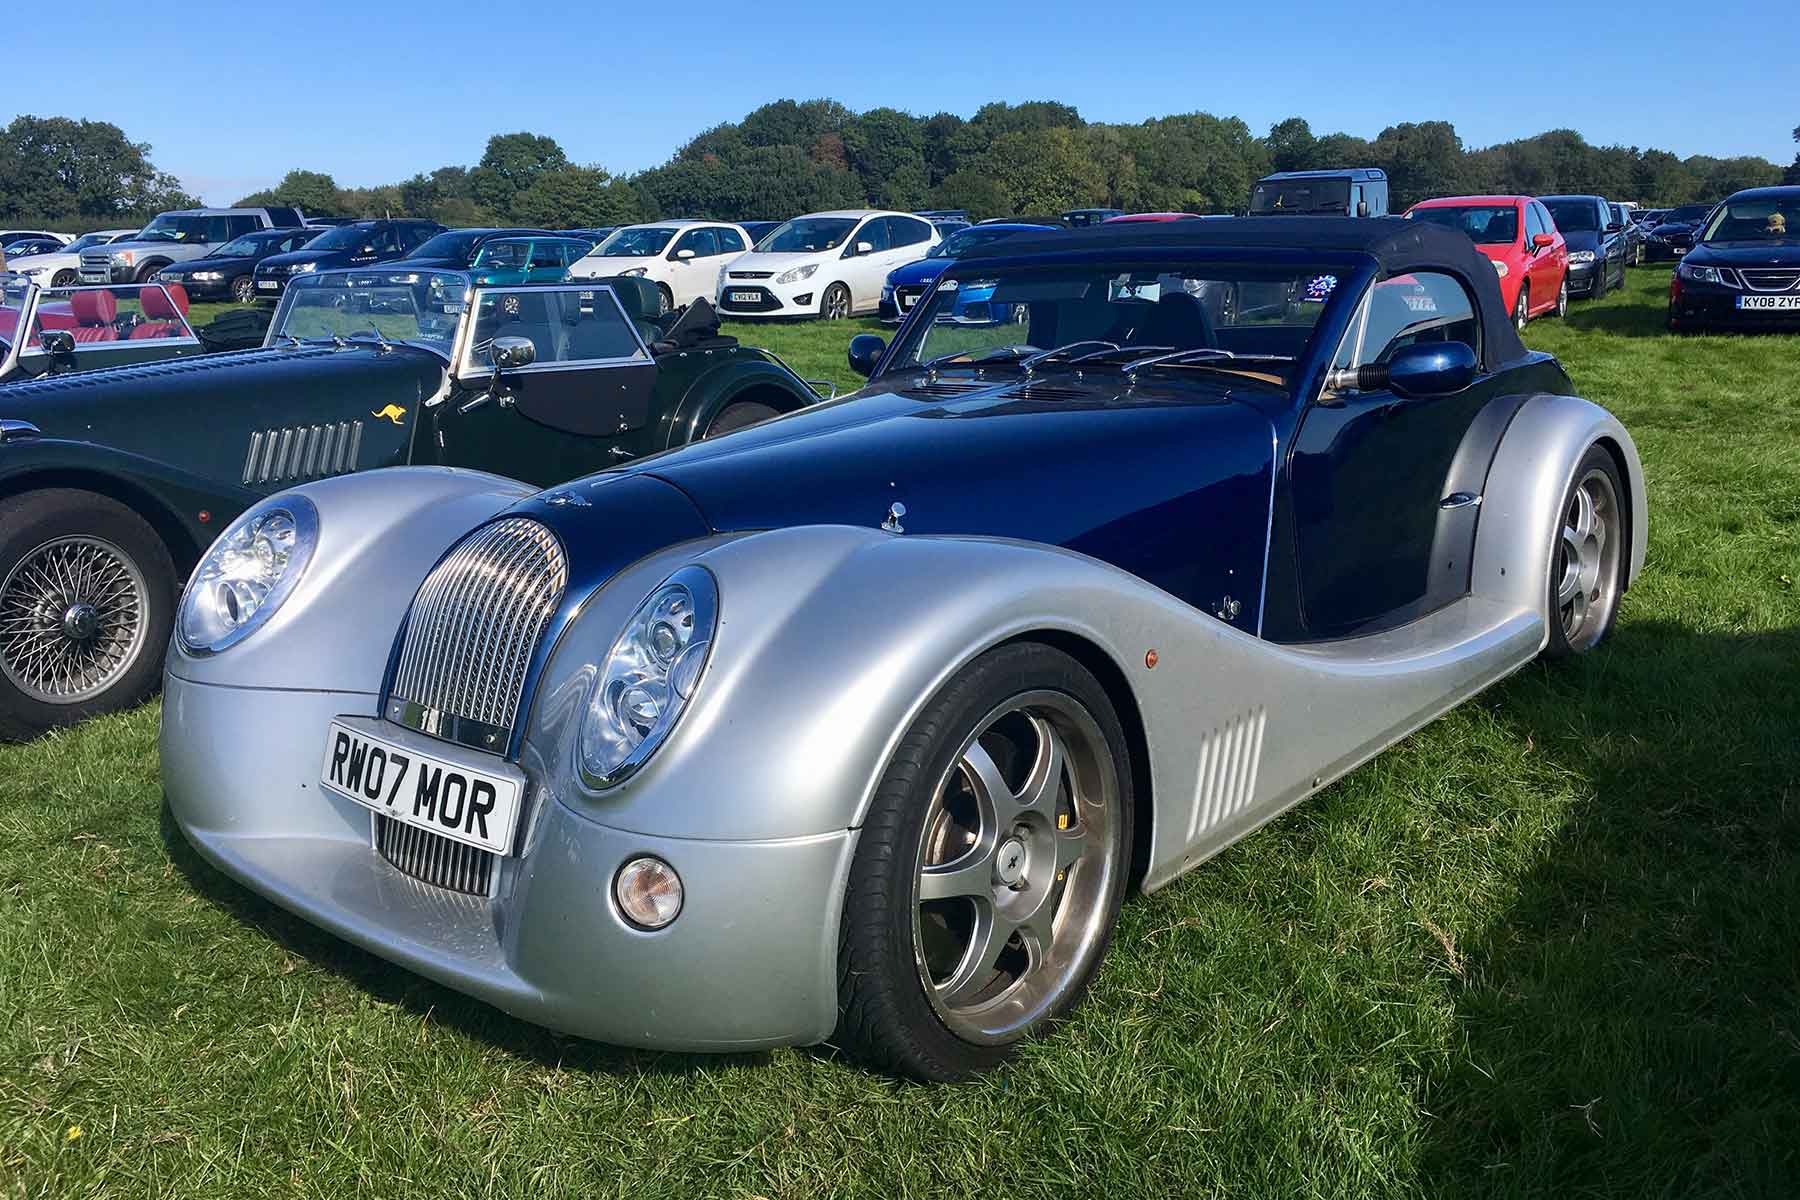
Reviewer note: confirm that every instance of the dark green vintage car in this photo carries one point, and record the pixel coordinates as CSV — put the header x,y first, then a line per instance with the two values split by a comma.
x,y
112,482
55,331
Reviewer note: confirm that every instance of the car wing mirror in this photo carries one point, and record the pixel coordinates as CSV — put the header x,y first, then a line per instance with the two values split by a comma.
x,y
865,247
58,343
1614,227
1542,241
866,350
511,353
1362,208
1416,372
684,254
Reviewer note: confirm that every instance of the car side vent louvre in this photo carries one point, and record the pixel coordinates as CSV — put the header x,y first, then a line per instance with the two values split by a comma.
x,y
1229,758
943,388
302,452
1047,391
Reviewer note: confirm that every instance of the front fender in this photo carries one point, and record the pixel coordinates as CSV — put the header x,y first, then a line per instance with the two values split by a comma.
x,y
708,395
380,533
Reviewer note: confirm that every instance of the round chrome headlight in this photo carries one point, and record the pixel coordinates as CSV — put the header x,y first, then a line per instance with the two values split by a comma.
x,y
249,571
648,677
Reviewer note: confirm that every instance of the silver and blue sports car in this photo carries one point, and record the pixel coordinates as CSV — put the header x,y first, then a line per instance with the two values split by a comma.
x,y
859,724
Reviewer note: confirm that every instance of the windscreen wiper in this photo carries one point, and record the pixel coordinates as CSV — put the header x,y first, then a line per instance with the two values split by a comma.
x,y
1047,355
1003,354
1117,350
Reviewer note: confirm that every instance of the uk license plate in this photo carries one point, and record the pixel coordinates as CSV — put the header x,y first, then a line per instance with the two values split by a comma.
x,y
1769,303
477,806
743,297
268,285
907,301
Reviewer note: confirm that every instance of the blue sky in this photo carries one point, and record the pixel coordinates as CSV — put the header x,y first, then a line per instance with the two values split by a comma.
x,y
373,93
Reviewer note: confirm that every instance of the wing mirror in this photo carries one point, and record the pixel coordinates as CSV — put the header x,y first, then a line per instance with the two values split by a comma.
x,y
866,350
1431,369
684,254
58,343
865,247
1614,227
511,353
1542,241
1362,208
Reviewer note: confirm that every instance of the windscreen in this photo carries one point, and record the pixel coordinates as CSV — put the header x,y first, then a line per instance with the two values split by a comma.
x,y
423,308
1769,218
1575,216
1486,224
642,242
1282,196
804,235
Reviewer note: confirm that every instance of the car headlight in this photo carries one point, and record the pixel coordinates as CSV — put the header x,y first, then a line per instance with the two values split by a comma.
x,y
252,567
122,257
202,276
303,268
1499,268
796,274
635,272
34,272
1580,257
1723,276
887,291
648,677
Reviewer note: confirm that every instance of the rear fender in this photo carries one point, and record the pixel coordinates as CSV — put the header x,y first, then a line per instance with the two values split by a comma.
x,y
744,376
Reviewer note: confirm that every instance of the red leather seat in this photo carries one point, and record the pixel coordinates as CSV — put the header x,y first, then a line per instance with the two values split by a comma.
x,y
55,316
95,312
162,313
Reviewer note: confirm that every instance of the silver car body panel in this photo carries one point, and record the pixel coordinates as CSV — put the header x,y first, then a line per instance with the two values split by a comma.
x,y
831,639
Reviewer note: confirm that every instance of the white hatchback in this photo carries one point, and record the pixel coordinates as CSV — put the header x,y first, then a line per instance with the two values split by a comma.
x,y
828,264
682,258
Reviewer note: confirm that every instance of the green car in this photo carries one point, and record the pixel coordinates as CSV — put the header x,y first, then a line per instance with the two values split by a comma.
x,y
112,483
526,260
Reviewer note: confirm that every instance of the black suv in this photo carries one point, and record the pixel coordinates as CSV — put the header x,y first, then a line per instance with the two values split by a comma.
x,y
357,244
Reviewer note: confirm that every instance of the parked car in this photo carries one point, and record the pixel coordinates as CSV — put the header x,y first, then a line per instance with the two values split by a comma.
x,y
943,214
61,267
1081,218
358,244
55,331
513,260
1596,243
31,245
1744,269
1633,233
1350,192
826,264
140,467
905,284
455,249
1518,235
758,230
178,236
681,258
1131,218
229,272
1673,236
949,225
1649,218
860,725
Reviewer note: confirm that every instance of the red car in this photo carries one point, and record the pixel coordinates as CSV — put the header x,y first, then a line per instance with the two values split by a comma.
x,y
1519,236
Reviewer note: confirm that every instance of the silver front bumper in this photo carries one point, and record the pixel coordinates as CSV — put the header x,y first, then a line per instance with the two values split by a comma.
x,y
750,962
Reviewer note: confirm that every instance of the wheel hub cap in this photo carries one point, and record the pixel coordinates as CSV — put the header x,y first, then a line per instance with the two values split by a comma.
x,y
1009,863
72,619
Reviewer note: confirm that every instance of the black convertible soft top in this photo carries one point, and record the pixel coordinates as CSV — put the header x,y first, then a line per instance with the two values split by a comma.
x,y
1398,246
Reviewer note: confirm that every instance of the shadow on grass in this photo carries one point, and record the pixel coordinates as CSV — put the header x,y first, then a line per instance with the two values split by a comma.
x,y
1633,1024
1619,320
418,995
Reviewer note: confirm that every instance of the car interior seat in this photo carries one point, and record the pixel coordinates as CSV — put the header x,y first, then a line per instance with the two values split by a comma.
x,y
163,311
642,303
95,311
1178,320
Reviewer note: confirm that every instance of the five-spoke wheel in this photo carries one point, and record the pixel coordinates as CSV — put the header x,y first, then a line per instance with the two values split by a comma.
x,y
990,870
1585,566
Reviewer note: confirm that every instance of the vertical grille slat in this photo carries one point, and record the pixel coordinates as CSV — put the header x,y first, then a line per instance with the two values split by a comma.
x,y
476,621
435,860
256,441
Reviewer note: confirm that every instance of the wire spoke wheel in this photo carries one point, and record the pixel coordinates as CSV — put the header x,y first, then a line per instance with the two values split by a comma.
x,y
1015,868
1586,567
72,619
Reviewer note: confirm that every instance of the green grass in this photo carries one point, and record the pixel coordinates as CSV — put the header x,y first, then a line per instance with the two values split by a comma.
x,y
1548,946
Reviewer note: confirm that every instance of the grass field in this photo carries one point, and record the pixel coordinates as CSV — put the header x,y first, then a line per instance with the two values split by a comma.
x,y
1549,946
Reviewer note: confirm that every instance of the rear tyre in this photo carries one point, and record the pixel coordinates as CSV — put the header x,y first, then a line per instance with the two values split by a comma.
x,y
665,300
87,602
1598,289
1522,307
834,305
741,415
243,289
1588,556
990,870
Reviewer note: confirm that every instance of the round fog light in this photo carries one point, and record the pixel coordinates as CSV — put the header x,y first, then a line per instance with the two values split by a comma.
x,y
648,892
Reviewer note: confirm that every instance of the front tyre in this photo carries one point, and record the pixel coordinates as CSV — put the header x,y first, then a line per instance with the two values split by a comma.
x,y
990,870
665,300
1562,298
740,415
243,289
1587,557
87,602
65,279
834,305
1522,309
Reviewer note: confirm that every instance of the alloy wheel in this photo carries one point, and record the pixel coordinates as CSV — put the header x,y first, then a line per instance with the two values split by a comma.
x,y
243,290
1562,299
1586,565
837,303
1015,868
1522,309
72,619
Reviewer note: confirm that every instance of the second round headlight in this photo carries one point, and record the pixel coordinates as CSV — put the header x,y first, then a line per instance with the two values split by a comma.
x,y
649,675
252,567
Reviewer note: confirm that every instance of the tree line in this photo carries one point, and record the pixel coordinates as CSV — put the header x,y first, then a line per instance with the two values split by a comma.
x,y
790,157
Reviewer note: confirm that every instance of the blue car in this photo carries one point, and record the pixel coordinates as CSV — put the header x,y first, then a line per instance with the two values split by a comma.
x,y
906,284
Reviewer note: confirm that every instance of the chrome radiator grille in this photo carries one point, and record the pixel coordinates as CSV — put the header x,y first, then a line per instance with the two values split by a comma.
x,y
474,625
433,859
1770,279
